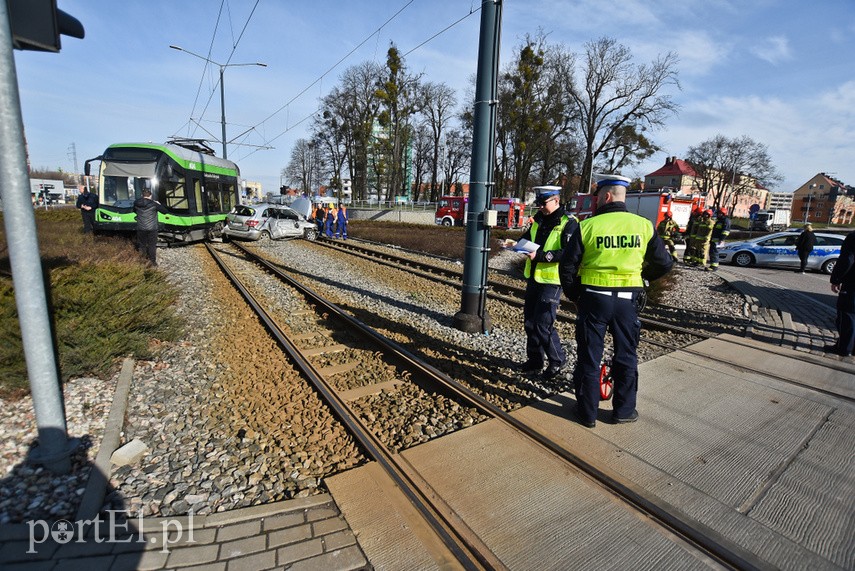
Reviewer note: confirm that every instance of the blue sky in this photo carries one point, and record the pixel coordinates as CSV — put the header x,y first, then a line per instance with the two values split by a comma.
x,y
779,71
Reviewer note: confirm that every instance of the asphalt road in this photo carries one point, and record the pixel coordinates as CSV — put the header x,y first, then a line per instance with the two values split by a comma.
x,y
815,285
812,284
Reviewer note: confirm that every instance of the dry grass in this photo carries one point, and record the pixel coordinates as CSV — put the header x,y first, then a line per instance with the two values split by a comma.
x,y
437,240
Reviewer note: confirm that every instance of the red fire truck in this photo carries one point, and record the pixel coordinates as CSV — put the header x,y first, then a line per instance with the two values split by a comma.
x,y
451,211
654,205
651,205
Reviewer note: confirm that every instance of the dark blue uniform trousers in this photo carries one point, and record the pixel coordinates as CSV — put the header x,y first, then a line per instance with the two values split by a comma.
x,y
846,321
599,312
539,311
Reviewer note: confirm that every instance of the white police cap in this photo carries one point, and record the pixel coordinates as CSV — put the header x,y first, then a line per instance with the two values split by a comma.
x,y
546,191
612,180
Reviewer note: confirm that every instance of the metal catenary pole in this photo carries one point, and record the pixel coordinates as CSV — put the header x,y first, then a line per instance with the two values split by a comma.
x,y
27,277
473,316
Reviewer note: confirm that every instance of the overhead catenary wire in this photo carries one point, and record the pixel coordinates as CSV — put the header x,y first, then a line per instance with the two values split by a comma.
x,y
235,44
196,124
472,10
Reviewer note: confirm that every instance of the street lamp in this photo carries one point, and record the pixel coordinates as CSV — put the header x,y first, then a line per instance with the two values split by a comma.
x,y
222,67
810,196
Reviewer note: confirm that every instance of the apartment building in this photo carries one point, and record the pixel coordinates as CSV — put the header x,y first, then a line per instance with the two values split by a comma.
x,y
825,200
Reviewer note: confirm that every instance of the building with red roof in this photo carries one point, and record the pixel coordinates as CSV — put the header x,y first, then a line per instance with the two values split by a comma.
x,y
675,175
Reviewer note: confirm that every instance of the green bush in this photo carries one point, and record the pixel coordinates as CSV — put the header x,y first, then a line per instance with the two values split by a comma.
x,y
105,302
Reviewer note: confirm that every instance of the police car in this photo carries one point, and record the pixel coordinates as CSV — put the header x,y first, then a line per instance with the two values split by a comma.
x,y
779,249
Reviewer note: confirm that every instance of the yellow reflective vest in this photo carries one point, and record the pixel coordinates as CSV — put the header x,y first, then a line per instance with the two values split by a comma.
x,y
614,245
547,272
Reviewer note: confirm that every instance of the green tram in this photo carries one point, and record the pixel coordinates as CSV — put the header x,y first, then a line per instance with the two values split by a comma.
x,y
198,188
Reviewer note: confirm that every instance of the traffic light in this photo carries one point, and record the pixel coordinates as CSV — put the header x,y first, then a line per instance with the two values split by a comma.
x,y
37,25
346,188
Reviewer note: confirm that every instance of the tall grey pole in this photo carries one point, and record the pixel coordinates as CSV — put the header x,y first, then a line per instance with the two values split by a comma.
x,y
223,110
27,277
473,316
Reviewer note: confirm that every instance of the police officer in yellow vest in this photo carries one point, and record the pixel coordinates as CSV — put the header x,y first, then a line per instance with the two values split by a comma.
x,y
551,230
604,269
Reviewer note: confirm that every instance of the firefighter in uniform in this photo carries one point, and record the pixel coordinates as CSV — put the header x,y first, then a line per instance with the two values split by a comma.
x,y
667,229
701,235
605,268
551,230
720,231
689,254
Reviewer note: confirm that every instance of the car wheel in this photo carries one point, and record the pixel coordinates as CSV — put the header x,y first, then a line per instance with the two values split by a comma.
x,y
311,234
743,259
265,235
447,222
828,266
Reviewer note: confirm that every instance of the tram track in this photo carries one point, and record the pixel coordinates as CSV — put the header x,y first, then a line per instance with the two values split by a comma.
x,y
707,325
457,537
503,289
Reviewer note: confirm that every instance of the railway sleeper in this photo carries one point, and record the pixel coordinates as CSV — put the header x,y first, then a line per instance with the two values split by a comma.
x,y
315,351
374,389
338,369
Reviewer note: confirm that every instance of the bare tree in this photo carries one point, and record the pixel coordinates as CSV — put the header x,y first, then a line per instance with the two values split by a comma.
x,y
560,142
533,115
456,159
439,102
332,135
303,170
729,168
424,152
616,94
352,108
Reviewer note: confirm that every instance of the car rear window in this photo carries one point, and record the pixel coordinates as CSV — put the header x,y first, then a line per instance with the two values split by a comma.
x,y
829,241
242,210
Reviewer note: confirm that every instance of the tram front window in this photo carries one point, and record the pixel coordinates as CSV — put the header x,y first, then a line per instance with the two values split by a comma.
x,y
121,191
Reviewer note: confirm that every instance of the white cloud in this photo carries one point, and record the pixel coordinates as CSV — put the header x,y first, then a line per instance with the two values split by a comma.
x,y
699,53
774,50
804,136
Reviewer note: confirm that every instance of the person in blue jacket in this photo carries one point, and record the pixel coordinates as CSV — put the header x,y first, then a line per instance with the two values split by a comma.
x,y
330,221
341,223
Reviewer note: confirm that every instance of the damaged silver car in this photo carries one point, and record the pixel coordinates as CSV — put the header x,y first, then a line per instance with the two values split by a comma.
x,y
270,222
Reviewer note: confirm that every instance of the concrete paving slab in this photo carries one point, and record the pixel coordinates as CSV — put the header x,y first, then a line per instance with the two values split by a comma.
x,y
731,449
536,512
762,462
388,529
815,370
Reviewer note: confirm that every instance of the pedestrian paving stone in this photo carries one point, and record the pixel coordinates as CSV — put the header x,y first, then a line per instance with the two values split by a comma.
x,y
237,531
259,561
